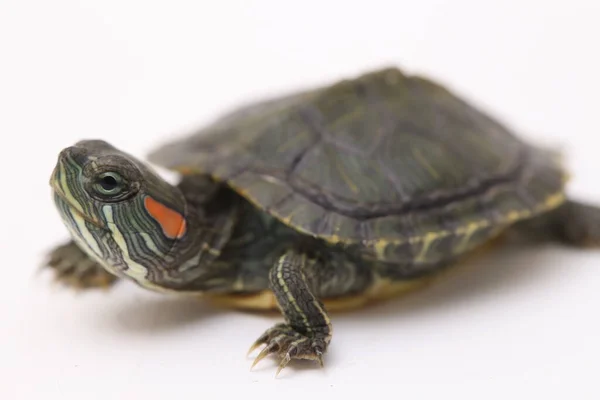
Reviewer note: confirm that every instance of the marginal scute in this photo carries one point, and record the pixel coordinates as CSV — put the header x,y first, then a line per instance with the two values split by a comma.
x,y
396,163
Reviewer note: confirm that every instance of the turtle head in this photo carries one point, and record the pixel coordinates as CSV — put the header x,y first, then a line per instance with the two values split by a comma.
x,y
119,211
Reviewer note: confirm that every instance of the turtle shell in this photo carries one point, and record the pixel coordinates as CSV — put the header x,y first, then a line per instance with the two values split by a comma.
x,y
384,158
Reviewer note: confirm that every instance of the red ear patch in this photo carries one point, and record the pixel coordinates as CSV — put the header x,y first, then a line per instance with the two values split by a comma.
x,y
171,222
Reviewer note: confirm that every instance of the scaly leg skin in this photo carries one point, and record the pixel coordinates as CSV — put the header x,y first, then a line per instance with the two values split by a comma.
x,y
307,331
573,223
72,267
579,224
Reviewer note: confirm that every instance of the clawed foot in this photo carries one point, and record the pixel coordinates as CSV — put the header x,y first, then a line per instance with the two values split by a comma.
x,y
72,267
289,344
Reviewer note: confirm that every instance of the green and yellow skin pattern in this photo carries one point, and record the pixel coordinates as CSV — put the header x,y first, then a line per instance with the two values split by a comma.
x,y
213,241
199,237
258,227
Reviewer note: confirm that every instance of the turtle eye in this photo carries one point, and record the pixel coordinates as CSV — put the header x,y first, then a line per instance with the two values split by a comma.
x,y
109,184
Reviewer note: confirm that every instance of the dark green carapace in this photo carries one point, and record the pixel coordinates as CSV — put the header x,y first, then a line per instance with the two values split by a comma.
x,y
318,200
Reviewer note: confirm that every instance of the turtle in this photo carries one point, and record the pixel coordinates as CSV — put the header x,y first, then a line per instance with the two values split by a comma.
x,y
322,199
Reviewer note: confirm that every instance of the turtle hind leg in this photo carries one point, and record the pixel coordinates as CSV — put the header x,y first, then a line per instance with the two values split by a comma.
x,y
73,268
573,223
578,224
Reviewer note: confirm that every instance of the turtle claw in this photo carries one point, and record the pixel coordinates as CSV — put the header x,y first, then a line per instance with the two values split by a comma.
x,y
284,362
255,346
289,344
264,352
320,359
259,342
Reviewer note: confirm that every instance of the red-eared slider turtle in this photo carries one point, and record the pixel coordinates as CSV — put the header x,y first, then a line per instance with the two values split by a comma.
x,y
318,200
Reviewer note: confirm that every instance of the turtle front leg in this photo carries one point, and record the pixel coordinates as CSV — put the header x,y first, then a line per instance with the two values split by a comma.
x,y
72,267
307,330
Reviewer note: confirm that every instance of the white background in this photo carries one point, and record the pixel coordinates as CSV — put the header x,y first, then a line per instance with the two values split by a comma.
x,y
519,322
